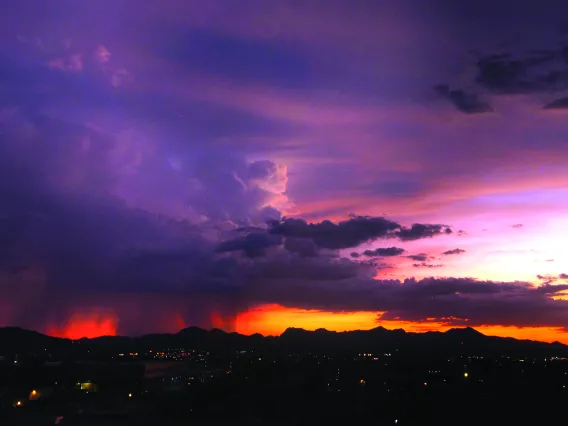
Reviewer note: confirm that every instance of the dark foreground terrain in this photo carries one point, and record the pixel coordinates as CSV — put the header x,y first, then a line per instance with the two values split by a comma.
x,y
301,378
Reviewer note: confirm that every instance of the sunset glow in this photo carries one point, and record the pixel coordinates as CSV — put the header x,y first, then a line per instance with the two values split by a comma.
x,y
87,325
253,168
273,320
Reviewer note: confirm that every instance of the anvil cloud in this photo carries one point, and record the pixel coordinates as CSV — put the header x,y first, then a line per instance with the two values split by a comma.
x,y
188,162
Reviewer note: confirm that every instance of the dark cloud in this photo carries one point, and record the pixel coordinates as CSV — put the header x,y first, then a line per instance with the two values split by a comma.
x,y
425,265
543,71
253,244
501,74
483,303
456,299
303,246
354,231
467,103
419,257
548,288
454,251
349,233
560,103
504,74
287,269
548,278
419,230
518,225
383,265
539,71
389,251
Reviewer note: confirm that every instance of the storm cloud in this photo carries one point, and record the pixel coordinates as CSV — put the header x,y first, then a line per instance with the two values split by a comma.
x,y
151,177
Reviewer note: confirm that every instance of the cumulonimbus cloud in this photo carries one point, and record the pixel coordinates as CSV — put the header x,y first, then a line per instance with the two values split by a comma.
x,y
68,244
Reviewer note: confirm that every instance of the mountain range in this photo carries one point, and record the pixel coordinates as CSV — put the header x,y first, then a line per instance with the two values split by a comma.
x,y
14,340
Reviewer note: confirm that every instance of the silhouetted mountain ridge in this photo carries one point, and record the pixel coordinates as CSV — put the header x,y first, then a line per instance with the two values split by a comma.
x,y
434,343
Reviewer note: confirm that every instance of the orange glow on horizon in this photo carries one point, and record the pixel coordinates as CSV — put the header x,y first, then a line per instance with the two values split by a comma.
x,y
226,323
275,319
88,324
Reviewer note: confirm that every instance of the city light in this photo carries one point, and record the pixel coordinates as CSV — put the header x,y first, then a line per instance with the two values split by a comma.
x,y
465,375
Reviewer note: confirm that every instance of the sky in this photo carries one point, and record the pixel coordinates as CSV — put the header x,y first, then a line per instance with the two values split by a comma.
x,y
257,165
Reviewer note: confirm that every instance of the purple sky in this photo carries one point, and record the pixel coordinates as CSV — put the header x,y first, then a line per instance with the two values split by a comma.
x,y
157,160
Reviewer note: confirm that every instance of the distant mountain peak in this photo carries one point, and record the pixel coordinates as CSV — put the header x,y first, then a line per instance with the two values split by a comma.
x,y
464,331
294,331
192,331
